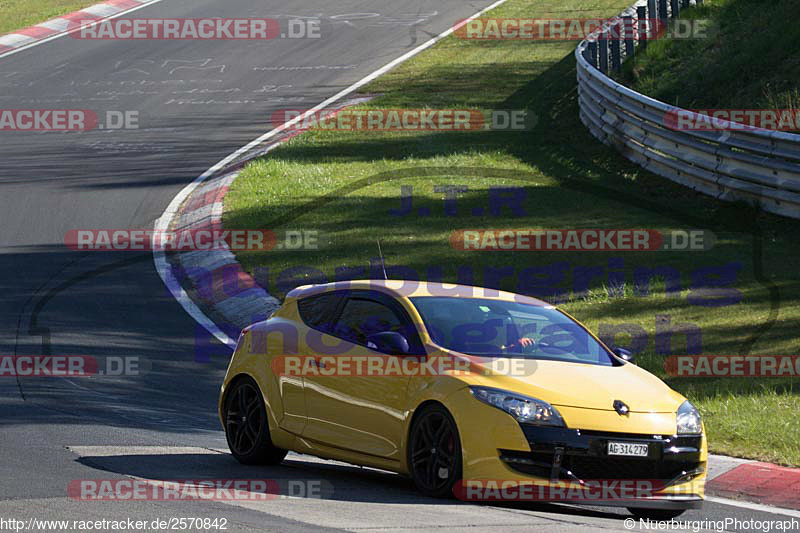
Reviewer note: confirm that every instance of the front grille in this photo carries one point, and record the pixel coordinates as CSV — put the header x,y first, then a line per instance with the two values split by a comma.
x,y
584,456
596,468
607,468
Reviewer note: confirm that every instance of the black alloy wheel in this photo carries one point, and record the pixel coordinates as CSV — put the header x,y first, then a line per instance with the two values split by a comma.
x,y
434,452
246,425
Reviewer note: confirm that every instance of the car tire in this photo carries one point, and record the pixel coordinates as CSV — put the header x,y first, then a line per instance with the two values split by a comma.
x,y
656,514
247,427
434,452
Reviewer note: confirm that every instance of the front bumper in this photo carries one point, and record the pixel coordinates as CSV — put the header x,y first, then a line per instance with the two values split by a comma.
x,y
674,464
498,450
574,455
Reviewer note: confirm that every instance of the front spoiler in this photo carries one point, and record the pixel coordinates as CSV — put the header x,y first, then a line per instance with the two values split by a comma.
x,y
681,501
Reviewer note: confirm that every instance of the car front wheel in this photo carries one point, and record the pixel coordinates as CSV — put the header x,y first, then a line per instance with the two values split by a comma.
x,y
246,426
434,452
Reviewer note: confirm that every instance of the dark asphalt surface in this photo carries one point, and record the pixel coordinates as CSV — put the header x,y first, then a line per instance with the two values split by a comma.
x,y
197,101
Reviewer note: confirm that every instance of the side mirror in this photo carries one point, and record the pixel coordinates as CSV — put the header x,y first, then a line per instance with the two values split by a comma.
x,y
389,342
625,355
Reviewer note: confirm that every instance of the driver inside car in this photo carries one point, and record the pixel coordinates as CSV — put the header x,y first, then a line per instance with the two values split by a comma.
x,y
520,345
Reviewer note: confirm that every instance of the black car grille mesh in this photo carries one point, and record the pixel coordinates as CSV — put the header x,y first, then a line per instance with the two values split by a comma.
x,y
597,468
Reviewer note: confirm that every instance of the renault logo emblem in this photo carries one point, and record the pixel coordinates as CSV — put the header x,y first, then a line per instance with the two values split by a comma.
x,y
621,408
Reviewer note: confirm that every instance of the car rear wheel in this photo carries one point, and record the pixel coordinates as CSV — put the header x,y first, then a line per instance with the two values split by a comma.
x,y
434,452
655,514
246,426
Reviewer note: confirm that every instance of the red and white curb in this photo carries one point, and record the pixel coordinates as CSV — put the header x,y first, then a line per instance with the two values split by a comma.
x,y
20,39
754,481
228,292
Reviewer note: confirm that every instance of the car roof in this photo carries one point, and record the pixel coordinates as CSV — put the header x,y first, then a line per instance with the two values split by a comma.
x,y
414,289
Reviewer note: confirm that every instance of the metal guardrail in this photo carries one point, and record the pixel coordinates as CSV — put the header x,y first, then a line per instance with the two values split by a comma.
x,y
757,166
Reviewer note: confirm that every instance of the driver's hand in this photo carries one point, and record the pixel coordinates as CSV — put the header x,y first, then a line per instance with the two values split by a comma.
x,y
522,343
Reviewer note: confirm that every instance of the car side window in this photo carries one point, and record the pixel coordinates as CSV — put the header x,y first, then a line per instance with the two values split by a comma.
x,y
364,315
361,318
319,311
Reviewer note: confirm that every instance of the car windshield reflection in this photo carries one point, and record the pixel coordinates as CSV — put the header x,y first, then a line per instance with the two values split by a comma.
x,y
495,328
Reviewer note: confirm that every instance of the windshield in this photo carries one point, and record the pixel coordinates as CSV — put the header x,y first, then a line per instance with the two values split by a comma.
x,y
494,328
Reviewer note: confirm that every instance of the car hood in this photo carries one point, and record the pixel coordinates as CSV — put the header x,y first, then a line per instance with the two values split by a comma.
x,y
584,385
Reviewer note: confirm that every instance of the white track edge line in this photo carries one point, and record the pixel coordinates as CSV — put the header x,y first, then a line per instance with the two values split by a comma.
x,y
754,506
63,33
163,222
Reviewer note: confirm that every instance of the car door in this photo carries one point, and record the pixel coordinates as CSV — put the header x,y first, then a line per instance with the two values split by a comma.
x,y
349,409
317,312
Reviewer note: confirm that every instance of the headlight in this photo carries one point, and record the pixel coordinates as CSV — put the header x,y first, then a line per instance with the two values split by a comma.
x,y
524,409
689,420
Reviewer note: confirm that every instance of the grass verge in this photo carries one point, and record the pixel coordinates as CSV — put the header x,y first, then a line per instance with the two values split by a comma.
x,y
749,59
17,14
347,184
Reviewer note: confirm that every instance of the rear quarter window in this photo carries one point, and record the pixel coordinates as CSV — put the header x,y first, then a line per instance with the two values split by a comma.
x,y
318,311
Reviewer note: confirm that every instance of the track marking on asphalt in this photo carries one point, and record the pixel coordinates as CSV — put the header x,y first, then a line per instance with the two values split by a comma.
x,y
163,222
754,506
89,25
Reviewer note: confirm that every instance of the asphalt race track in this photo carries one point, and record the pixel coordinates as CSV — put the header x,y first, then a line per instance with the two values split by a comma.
x,y
197,101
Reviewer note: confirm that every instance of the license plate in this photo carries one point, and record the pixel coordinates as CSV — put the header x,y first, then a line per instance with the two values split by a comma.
x,y
627,449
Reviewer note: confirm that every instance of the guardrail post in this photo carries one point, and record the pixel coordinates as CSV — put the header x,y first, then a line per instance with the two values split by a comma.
x,y
652,19
616,61
652,12
662,11
591,53
676,8
627,33
603,44
641,25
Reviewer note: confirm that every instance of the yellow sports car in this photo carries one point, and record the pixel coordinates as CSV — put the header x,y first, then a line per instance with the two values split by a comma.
x,y
469,391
